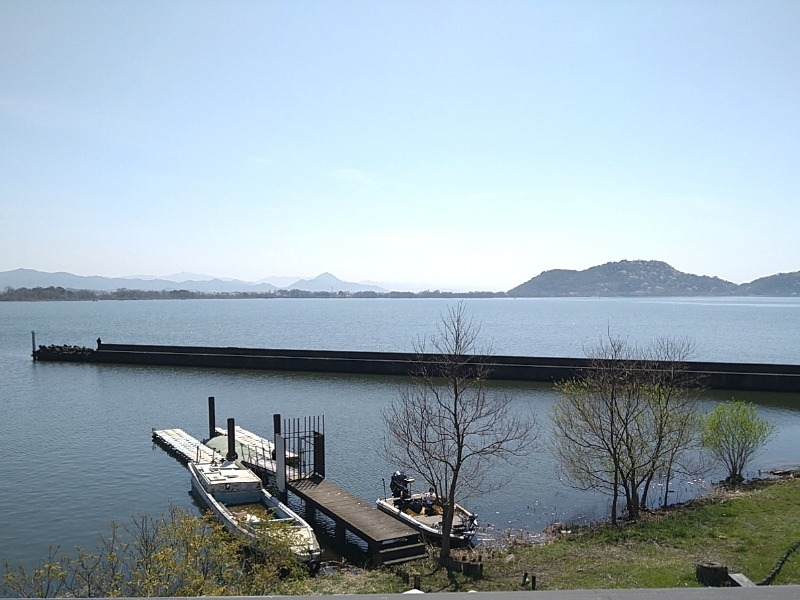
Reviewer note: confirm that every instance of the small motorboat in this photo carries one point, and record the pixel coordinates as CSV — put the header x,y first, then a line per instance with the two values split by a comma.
x,y
236,495
423,512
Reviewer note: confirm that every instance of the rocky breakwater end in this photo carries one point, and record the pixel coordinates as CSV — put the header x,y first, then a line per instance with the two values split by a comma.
x,y
64,352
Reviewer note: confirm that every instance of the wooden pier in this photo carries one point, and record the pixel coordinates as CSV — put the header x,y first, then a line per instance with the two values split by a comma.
x,y
388,540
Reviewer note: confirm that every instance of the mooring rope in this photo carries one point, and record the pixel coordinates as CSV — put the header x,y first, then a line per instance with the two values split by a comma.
x,y
777,569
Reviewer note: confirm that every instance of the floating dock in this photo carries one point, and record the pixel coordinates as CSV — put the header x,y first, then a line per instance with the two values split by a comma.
x,y
183,446
388,540
255,452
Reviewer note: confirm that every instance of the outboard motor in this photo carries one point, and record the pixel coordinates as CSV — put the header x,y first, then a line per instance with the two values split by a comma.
x,y
399,485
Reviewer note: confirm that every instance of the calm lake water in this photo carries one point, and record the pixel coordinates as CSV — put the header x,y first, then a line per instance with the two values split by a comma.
x,y
76,439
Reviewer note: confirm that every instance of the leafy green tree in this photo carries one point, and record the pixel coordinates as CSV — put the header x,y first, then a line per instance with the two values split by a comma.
x,y
733,433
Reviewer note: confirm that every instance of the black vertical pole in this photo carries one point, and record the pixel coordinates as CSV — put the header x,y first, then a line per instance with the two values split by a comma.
x,y
231,441
319,454
304,441
212,418
276,424
320,443
276,431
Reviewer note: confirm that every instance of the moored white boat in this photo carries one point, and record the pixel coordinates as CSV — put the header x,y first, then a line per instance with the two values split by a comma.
x,y
423,512
237,497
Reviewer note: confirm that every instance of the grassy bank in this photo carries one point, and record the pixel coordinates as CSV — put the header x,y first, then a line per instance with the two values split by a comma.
x,y
748,530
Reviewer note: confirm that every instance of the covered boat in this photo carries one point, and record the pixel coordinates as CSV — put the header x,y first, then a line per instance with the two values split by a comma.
x,y
423,512
236,495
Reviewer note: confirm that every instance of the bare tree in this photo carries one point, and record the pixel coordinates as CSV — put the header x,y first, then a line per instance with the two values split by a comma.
x,y
589,421
674,394
448,425
630,418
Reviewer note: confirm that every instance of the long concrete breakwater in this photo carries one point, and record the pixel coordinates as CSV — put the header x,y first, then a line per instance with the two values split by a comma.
x,y
715,375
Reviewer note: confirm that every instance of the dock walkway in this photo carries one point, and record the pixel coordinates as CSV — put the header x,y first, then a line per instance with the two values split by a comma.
x,y
254,451
183,446
389,541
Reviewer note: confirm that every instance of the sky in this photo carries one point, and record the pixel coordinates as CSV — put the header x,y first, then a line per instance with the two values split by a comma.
x,y
466,145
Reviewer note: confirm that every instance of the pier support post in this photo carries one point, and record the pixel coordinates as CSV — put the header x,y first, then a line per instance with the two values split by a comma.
x,y
212,418
340,531
280,465
231,441
33,344
319,454
276,433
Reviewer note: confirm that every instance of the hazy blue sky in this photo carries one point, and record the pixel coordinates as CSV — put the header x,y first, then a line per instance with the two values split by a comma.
x,y
463,145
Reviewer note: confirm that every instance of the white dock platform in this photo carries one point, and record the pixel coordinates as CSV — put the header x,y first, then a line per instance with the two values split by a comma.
x,y
187,448
254,451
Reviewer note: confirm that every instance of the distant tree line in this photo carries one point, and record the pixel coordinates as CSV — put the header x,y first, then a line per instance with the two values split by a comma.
x,y
47,293
50,293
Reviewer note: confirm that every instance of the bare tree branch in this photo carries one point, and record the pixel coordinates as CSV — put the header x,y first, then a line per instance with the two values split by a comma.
x,y
447,425
631,417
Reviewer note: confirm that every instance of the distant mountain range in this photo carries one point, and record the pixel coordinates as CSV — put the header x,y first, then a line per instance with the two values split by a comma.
x,y
622,278
648,278
30,278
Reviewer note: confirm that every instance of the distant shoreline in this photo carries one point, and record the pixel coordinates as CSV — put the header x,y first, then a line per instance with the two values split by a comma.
x,y
59,294
622,279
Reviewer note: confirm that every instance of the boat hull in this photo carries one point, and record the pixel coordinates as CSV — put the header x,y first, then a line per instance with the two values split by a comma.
x,y
224,503
429,525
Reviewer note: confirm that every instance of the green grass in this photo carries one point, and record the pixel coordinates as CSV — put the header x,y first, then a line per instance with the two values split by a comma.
x,y
748,531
